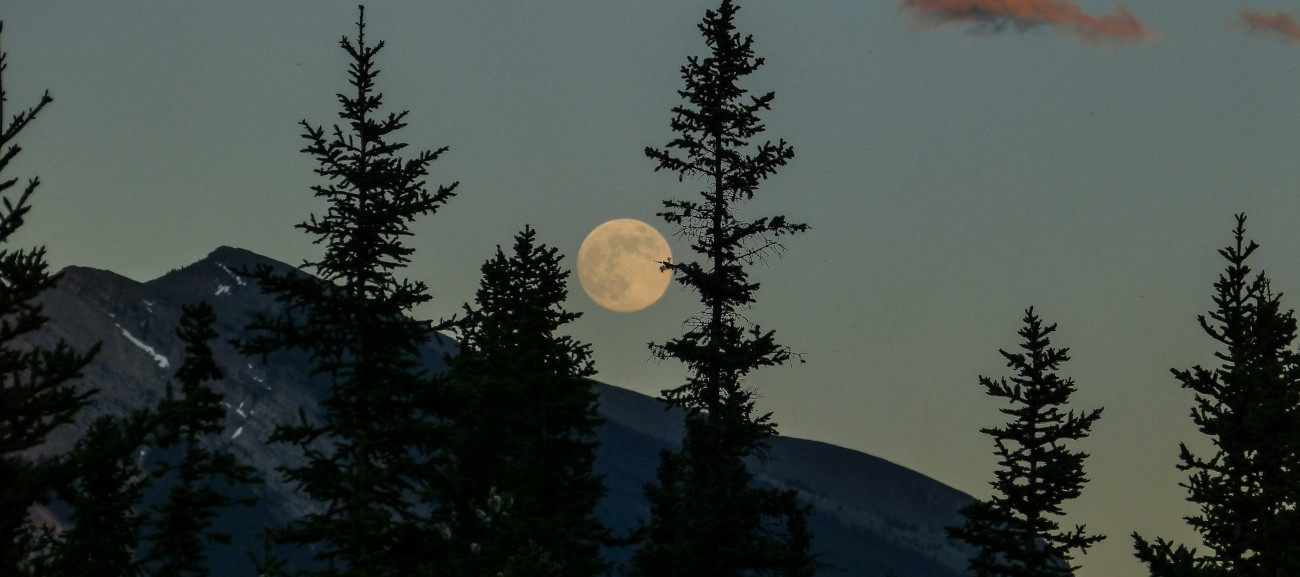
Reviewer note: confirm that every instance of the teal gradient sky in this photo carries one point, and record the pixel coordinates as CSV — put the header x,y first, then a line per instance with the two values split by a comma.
x,y
953,176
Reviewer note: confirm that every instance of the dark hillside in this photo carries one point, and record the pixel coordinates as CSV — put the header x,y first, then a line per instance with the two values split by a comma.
x,y
869,515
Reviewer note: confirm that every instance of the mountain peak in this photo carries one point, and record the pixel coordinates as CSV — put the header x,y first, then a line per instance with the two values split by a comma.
x,y
78,278
219,274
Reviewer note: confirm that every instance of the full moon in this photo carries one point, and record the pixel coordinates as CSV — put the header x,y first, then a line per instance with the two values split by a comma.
x,y
618,265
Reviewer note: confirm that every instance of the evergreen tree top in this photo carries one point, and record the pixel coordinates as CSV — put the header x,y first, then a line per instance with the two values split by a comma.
x,y
705,517
181,529
520,298
714,128
716,123
1036,391
372,192
1017,532
380,413
1249,405
521,491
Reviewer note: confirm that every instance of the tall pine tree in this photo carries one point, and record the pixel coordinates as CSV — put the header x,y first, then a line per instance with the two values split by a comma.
x,y
525,426
37,391
365,454
180,531
706,518
104,499
1016,532
1248,491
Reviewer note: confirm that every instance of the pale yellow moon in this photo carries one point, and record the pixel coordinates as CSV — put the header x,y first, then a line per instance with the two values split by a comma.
x,y
618,265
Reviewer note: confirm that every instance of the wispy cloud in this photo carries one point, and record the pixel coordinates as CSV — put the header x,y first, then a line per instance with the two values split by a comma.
x,y
1279,22
987,16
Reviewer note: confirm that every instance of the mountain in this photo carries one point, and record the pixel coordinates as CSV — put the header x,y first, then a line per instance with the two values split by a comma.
x,y
869,516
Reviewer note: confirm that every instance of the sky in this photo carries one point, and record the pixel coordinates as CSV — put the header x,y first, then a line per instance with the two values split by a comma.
x,y
956,164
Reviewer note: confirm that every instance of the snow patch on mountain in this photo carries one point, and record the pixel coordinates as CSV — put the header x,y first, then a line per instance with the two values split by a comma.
x,y
238,279
158,358
222,289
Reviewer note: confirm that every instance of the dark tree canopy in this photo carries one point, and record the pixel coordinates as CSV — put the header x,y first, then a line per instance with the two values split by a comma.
x,y
525,426
180,532
1248,491
1016,533
366,454
104,499
37,391
706,519
714,129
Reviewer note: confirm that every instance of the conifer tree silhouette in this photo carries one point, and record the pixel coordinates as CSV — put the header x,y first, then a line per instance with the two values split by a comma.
x,y
525,427
705,517
179,533
1249,490
1016,532
37,391
104,499
365,455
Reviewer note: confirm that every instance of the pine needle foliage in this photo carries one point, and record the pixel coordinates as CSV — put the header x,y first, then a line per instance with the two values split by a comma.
x,y
104,499
179,534
1016,532
1248,491
525,430
37,384
706,519
366,453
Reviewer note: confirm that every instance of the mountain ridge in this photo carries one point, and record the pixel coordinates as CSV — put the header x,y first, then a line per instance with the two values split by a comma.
x,y
869,515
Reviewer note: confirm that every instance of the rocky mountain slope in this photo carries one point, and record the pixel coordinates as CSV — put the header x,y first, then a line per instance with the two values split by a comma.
x,y
869,516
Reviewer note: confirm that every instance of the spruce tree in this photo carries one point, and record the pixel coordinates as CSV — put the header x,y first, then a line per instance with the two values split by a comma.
x,y
706,518
104,499
180,532
366,451
1248,491
525,427
1016,532
37,390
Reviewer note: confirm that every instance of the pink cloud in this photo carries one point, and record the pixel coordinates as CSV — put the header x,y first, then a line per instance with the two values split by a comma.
x,y
998,15
1271,23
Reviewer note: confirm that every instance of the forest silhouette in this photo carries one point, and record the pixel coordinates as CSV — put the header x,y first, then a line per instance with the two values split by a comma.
x,y
486,468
